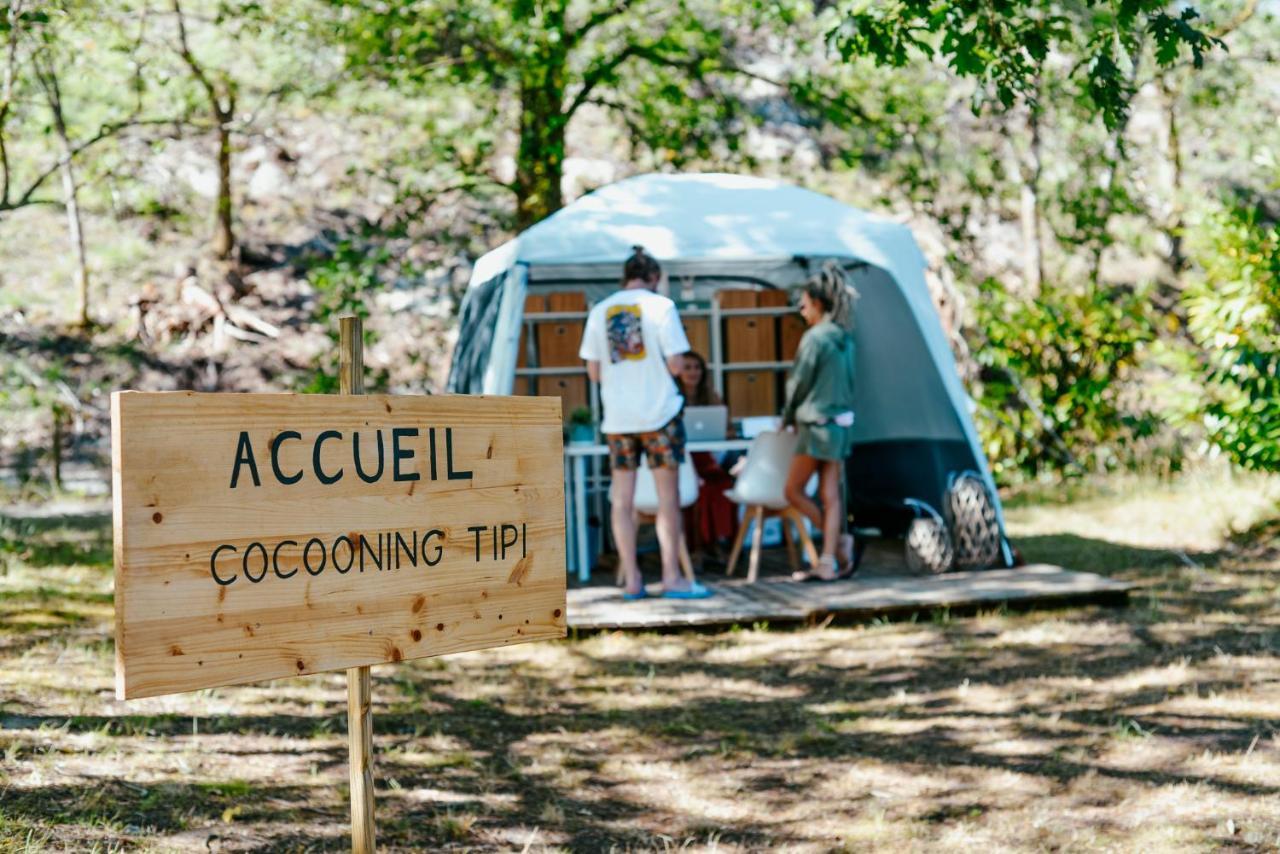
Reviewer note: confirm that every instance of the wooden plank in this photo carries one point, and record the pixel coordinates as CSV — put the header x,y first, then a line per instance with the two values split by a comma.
x,y
773,298
747,339
533,304
698,331
790,326
567,301
595,608
226,574
559,341
751,393
359,680
572,392
360,757
777,299
737,297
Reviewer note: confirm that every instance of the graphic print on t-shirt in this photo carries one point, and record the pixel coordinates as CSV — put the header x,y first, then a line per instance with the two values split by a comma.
x,y
626,336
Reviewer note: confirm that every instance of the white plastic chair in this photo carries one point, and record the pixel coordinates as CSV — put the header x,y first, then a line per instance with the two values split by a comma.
x,y
761,489
646,500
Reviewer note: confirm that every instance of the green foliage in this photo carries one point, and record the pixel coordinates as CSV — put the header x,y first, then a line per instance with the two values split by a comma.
x,y
1006,45
345,283
1054,396
1234,315
658,68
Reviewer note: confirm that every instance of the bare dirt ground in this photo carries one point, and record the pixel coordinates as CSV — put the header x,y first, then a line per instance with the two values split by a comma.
x,y
1151,728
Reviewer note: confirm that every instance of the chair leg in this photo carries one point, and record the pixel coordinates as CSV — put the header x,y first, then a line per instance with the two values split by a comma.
x,y
791,543
686,562
737,543
757,539
794,516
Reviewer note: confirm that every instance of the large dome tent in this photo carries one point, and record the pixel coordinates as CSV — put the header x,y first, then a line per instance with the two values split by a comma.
x,y
913,428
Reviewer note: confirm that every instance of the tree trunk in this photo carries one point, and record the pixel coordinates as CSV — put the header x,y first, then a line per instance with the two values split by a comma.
x,y
56,450
1115,156
1032,246
71,200
1025,170
222,107
6,95
224,240
70,190
540,161
1176,227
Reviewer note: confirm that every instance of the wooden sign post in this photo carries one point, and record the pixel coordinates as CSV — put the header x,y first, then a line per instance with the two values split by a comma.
x,y
260,536
359,680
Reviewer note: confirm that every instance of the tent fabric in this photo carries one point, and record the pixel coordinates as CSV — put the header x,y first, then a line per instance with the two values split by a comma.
x,y
479,316
733,218
709,216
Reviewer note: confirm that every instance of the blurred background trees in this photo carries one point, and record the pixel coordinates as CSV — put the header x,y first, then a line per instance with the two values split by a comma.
x,y
190,189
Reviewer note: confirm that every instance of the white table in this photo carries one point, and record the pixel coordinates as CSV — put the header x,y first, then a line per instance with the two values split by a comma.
x,y
575,461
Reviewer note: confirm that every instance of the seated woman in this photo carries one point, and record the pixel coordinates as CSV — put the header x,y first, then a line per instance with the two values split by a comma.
x,y
715,517
820,409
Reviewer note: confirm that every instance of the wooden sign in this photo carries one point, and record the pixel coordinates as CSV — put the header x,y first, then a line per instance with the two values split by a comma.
x,y
260,536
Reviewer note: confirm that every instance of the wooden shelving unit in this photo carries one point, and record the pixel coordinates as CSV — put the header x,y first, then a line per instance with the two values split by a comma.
x,y
748,337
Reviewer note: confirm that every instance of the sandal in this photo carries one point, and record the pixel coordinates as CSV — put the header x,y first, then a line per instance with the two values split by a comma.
x,y
827,570
693,591
634,597
847,561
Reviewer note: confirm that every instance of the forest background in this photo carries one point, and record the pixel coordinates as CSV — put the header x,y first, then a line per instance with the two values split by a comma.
x,y
190,192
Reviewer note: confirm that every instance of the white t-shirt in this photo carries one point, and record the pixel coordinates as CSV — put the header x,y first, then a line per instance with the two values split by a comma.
x,y
631,334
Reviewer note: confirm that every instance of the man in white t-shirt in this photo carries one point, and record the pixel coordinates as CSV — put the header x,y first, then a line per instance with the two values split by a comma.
x,y
632,345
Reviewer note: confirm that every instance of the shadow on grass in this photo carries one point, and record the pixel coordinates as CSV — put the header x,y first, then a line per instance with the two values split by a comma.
x,y
735,731
596,806
1106,558
42,552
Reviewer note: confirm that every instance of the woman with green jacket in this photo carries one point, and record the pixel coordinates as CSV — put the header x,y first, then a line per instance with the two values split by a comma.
x,y
820,409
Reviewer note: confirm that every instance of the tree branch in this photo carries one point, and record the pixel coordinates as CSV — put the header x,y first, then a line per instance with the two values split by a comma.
x,y
596,75
6,97
105,132
595,20
197,71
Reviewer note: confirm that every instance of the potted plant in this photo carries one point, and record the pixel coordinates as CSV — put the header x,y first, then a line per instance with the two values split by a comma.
x,y
582,430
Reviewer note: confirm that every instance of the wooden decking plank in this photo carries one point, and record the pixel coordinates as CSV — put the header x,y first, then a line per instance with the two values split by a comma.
x,y
736,601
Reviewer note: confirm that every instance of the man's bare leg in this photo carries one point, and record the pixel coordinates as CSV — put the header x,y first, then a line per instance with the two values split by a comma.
x,y
667,482
622,496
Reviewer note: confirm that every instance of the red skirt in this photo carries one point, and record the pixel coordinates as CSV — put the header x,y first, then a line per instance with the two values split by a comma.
x,y
715,517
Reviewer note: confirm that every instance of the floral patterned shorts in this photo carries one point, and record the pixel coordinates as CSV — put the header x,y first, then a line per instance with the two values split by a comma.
x,y
664,446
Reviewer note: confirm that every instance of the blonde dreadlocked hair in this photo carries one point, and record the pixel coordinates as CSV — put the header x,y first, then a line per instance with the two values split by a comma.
x,y
835,294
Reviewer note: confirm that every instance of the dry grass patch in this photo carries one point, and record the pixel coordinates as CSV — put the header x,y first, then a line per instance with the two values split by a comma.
x,y
1093,729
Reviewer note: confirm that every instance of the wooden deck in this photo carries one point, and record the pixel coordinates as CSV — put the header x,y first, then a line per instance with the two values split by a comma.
x,y
774,601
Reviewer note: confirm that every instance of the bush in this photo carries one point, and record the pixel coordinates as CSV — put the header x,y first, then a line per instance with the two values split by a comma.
x,y
1054,396
1234,316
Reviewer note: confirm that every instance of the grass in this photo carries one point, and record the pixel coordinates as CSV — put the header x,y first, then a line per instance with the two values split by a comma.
x,y
1089,729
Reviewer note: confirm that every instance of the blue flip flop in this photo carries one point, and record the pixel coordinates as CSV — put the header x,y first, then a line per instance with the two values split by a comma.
x,y
635,597
695,591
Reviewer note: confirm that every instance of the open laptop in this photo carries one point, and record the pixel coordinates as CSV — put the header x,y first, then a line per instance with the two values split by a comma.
x,y
706,423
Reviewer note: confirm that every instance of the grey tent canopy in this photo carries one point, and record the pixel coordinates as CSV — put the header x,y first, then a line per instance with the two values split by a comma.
x,y
913,425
